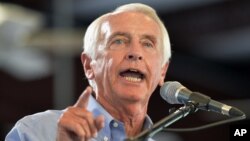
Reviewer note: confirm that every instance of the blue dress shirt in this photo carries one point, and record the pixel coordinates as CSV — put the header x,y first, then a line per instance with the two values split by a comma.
x,y
43,126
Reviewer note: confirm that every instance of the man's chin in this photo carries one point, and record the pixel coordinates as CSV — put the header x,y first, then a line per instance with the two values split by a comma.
x,y
134,97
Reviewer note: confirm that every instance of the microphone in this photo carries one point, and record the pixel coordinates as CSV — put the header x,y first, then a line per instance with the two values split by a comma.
x,y
175,93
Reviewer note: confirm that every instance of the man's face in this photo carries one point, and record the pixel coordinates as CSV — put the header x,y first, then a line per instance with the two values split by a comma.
x,y
128,62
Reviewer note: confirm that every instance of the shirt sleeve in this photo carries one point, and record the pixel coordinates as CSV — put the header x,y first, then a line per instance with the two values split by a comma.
x,y
17,133
37,127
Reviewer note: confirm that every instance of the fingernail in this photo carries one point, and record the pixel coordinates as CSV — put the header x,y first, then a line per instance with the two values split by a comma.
x,y
95,135
103,124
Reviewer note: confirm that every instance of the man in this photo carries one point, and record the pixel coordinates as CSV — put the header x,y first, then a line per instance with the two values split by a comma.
x,y
125,57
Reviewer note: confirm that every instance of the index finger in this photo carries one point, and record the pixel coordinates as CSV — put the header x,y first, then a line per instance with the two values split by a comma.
x,y
82,101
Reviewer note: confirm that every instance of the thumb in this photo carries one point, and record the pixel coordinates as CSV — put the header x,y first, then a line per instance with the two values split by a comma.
x,y
99,122
83,100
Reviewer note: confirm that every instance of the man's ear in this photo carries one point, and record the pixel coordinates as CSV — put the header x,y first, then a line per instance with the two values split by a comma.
x,y
163,73
86,60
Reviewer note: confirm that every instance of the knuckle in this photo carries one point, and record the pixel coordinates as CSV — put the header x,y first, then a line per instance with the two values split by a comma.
x,y
89,114
80,132
84,122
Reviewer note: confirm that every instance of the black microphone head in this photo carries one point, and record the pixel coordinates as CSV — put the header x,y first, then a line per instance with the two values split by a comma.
x,y
168,91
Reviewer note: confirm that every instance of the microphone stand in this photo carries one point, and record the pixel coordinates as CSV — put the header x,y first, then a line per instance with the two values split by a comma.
x,y
165,122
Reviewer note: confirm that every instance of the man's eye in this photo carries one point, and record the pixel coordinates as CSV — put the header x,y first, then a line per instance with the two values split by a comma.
x,y
147,44
118,41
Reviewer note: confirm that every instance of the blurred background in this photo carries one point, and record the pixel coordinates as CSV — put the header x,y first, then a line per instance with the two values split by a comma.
x,y
41,43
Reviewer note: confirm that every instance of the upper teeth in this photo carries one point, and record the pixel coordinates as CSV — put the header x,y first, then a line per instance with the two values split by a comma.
x,y
133,70
133,79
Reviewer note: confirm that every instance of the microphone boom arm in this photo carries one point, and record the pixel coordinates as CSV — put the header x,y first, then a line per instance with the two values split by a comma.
x,y
165,122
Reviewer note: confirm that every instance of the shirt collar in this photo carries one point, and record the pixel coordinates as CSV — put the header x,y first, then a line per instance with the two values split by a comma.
x,y
97,109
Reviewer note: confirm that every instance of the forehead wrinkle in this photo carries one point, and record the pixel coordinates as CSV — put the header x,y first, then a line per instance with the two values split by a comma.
x,y
110,20
128,35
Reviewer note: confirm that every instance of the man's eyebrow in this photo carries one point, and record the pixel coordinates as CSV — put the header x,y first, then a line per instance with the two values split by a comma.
x,y
150,37
119,34
127,35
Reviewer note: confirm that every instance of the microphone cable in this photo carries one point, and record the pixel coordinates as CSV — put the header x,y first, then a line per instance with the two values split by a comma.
x,y
209,125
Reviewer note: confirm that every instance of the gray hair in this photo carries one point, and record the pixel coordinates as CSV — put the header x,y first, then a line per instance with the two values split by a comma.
x,y
92,35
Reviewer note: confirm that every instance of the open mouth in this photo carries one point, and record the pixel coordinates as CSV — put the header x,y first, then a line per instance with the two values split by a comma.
x,y
132,75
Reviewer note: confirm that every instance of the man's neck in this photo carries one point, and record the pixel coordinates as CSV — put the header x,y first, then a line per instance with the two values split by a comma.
x,y
131,114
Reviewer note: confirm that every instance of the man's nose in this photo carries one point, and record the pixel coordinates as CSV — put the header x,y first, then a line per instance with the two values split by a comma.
x,y
133,56
134,52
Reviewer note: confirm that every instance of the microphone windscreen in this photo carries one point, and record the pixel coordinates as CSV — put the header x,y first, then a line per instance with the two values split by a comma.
x,y
168,91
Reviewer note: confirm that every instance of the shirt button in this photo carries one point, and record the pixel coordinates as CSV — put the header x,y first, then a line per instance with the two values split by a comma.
x,y
115,124
105,138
